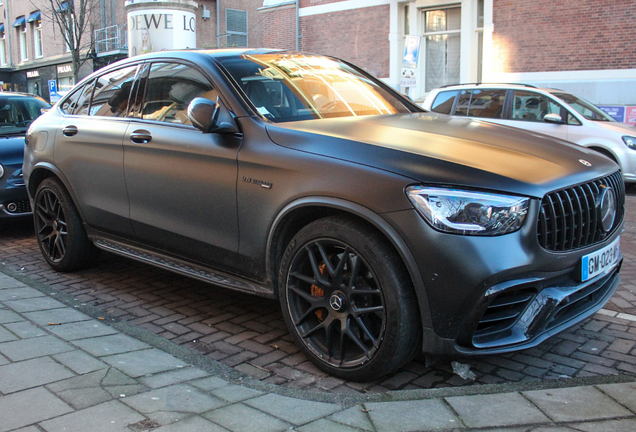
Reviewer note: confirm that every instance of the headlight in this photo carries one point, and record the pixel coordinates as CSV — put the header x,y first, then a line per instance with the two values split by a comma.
x,y
469,213
1,170
630,141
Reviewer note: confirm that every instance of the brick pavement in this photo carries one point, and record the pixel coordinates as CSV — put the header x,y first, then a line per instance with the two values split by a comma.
x,y
248,333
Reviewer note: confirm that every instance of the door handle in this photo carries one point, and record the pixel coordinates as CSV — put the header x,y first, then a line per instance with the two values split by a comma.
x,y
140,137
70,131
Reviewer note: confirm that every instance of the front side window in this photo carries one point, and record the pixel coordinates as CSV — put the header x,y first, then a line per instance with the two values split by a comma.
x,y
302,87
532,106
112,93
442,37
170,89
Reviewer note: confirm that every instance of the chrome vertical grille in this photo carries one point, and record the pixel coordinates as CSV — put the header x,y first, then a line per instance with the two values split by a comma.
x,y
568,218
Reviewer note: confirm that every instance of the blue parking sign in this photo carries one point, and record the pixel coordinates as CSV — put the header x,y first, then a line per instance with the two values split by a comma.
x,y
52,86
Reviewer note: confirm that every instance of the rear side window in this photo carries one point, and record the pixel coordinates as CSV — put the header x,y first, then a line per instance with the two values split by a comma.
x,y
112,93
486,103
444,101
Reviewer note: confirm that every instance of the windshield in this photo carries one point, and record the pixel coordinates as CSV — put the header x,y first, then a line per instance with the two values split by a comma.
x,y
291,87
583,107
17,113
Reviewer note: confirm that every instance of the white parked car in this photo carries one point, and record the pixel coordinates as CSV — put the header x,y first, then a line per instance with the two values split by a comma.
x,y
548,111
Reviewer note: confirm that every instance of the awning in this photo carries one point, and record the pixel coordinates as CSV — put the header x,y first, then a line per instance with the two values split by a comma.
x,y
19,22
35,16
63,7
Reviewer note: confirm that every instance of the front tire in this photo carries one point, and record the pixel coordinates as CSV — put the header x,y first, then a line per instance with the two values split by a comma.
x,y
348,301
58,227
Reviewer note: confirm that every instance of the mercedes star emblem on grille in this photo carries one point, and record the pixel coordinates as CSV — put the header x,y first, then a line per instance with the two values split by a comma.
x,y
606,205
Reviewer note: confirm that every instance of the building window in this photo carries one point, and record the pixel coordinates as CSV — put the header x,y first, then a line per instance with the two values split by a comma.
x,y
20,26
480,39
3,54
36,28
236,27
442,38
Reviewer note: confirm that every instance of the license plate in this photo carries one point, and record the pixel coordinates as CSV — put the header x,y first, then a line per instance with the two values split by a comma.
x,y
601,261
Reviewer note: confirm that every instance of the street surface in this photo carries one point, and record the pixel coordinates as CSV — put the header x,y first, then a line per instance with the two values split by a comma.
x,y
248,333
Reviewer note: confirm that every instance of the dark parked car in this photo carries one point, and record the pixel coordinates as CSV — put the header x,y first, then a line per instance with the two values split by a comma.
x,y
17,111
382,229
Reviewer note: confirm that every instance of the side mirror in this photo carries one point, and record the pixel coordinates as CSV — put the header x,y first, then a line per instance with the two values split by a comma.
x,y
553,118
209,116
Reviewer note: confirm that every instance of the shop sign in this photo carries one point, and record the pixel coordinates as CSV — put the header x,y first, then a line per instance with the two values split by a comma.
x,y
630,115
33,74
617,112
65,69
152,30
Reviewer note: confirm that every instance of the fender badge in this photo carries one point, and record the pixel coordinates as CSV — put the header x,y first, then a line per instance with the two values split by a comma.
x,y
584,162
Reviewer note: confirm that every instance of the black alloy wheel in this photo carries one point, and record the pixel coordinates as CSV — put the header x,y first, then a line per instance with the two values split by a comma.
x,y
353,313
335,303
59,230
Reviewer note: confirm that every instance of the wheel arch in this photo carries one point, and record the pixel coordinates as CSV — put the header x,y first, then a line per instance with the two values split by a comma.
x,y
302,212
604,151
44,170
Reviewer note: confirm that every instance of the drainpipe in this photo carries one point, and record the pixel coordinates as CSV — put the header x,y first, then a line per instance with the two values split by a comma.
x,y
8,29
298,35
218,24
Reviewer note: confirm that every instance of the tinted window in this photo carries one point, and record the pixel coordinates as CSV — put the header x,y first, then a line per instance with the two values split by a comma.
x,y
78,102
463,103
170,89
486,103
112,92
532,106
444,101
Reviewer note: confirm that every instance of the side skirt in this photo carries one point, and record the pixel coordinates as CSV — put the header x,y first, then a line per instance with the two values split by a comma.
x,y
204,274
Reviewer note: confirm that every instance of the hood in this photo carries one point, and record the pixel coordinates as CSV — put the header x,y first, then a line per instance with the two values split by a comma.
x,y
11,150
444,150
621,128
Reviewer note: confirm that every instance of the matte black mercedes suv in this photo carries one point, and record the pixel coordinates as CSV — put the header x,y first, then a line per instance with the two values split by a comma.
x,y
382,229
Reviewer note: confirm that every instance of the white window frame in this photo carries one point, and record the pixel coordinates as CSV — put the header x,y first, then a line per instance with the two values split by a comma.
x,y
38,48
22,36
3,50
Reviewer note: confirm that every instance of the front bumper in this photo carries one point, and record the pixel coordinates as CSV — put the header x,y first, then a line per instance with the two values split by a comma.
x,y
14,200
490,295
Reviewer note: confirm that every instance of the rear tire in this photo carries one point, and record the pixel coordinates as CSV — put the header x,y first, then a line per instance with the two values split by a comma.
x,y
59,230
348,301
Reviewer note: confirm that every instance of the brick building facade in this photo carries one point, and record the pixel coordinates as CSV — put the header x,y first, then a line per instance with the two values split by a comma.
x,y
586,47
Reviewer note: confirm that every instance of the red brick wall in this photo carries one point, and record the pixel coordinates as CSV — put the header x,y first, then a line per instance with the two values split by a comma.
x,y
544,35
279,27
360,36
308,3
